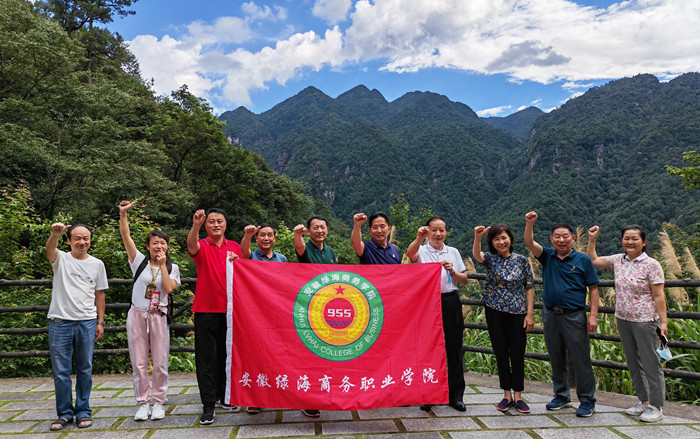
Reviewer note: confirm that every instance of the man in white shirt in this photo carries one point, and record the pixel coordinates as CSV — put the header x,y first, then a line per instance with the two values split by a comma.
x,y
454,273
76,320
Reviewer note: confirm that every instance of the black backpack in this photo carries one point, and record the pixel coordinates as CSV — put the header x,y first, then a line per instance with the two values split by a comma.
x,y
169,265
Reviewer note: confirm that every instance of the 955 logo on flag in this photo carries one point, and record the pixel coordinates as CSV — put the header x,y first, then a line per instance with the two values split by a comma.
x,y
338,315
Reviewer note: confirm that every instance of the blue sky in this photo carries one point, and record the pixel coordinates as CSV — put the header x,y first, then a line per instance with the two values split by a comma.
x,y
496,56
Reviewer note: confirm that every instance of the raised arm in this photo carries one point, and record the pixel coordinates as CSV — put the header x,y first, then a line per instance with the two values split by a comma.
x,y
248,232
529,238
57,229
299,232
193,237
356,237
412,250
124,231
598,261
479,231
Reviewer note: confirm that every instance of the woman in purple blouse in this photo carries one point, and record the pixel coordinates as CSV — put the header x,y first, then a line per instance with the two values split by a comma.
x,y
508,297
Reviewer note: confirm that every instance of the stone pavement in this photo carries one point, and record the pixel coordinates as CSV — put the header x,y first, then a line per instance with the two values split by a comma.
x,y
27,408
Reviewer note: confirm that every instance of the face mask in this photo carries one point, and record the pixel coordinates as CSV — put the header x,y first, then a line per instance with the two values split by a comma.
x,y
663,351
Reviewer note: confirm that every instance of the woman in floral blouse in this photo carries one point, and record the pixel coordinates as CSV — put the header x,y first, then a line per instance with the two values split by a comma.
x,y
508,296
640,310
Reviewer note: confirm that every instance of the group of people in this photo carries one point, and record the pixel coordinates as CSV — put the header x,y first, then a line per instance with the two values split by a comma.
x,y
76,314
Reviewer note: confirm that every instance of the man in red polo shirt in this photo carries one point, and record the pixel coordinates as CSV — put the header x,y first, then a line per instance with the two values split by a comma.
x,y
209,307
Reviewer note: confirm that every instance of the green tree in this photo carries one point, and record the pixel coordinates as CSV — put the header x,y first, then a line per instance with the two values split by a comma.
x,y
690,174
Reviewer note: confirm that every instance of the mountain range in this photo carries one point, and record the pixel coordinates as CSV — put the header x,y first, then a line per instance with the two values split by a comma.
x,y
598,159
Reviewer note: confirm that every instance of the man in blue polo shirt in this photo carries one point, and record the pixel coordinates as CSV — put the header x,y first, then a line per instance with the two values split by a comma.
x,y
377,250
265,236
566,273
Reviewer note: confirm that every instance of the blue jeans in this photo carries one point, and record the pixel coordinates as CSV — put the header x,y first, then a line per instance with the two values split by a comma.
x,y
68,340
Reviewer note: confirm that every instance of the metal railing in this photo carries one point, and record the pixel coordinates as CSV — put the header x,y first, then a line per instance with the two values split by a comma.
x,y
181,307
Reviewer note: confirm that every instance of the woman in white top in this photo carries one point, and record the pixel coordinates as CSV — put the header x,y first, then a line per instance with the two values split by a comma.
x,y
146,322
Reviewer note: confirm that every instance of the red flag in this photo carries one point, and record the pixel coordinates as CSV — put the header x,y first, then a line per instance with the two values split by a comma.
x,y
335,337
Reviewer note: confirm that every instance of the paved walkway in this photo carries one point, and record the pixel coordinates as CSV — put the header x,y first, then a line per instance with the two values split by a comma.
x,y
27,408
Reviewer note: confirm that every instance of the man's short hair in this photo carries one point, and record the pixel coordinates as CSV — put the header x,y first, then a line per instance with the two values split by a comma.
x,y
434,218
374,216
216,210
263,225
563,226
317,217
69,232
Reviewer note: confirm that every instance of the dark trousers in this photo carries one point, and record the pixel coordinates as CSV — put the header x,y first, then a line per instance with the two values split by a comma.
x,y
210,356
568,334
508,341
453,328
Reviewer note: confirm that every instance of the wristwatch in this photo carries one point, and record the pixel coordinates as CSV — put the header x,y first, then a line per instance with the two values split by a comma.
x,y
101,323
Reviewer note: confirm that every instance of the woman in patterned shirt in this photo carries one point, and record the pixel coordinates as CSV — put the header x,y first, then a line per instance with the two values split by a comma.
x,y
640,311
508,296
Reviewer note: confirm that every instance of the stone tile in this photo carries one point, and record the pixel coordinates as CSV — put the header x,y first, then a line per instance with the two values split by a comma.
x,y
169,421
482,398
541,409
16,388
187,409
607,408
244,418
103,393
47,387
15,427
359,427
483,389
468,390
510,434
109,435
115,412
192,391
598,419
113,402
437,424
4,416
393,412
675,420
536,397
275,430
37,415
517,422
32,396
434,435
182,383
97,424
47,435
326,415
209,431
576,433
184,399
659,432
128,384
472,410
28,405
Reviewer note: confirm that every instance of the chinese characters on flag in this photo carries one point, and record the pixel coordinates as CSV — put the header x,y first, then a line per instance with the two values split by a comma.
x,y
334,337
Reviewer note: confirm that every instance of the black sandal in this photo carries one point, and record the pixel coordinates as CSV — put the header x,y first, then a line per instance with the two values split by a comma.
x,y
82,419
61,422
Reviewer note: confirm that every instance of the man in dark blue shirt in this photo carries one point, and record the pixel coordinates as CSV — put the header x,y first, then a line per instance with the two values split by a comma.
x,y
377,250
566,274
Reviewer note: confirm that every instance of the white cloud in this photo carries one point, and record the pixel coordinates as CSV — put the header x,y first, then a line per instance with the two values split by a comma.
x,y
527,40
495,111
333,11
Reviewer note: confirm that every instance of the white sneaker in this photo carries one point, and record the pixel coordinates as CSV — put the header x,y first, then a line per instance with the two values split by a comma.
x,y
158,412
143,412
636,409
651,414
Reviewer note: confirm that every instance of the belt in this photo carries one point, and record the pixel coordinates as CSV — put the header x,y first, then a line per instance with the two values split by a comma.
x,y
450,293
557,310
55,320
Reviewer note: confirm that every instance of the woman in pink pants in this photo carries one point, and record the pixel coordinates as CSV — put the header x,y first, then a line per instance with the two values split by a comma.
x,y
146,322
